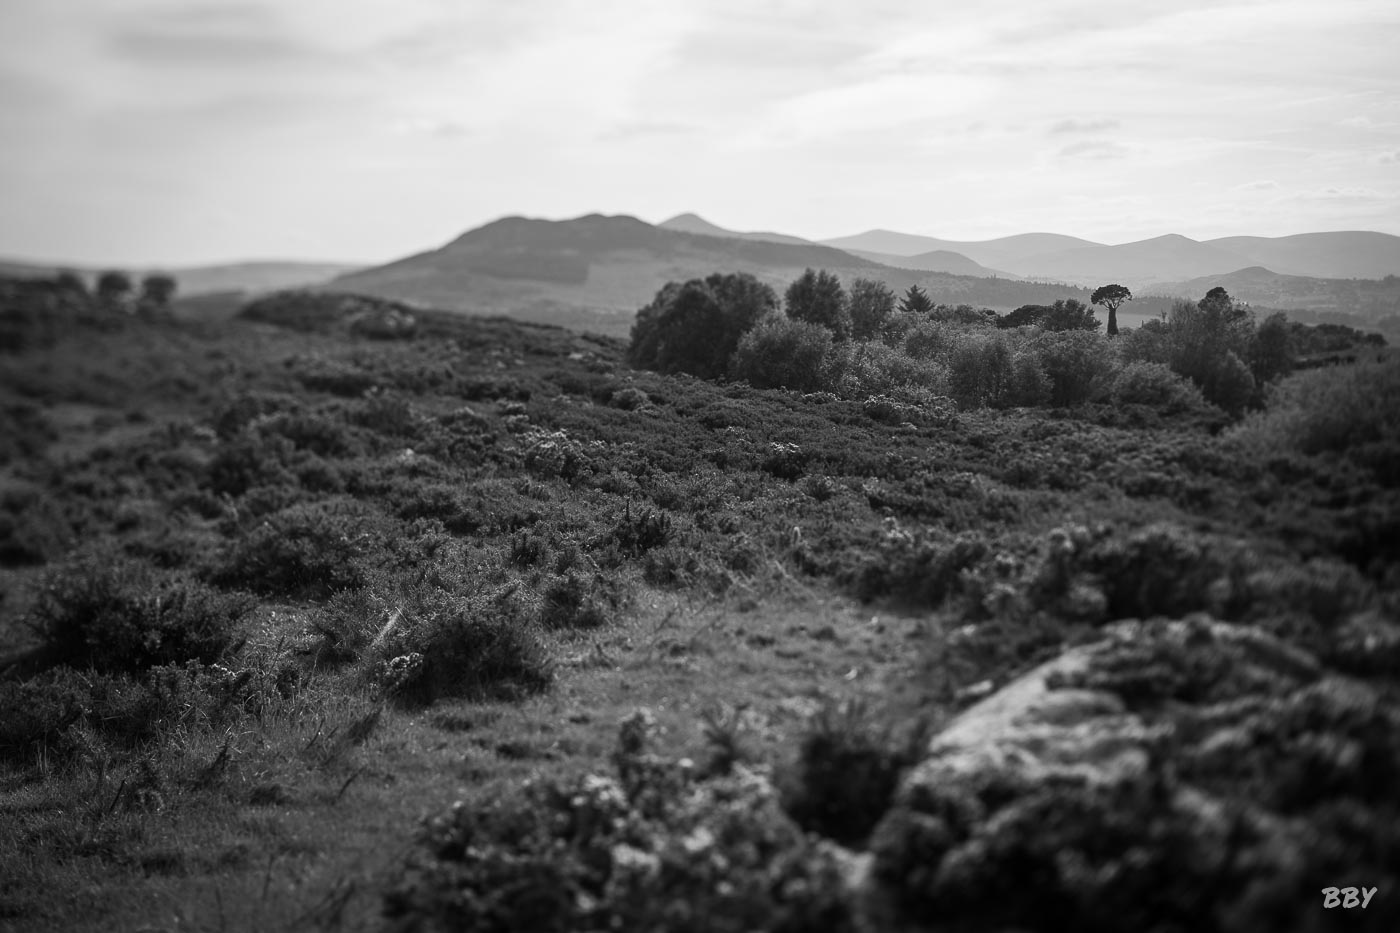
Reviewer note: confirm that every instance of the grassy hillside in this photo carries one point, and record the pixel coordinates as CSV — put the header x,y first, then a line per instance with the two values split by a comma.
x,y
326,617
597,271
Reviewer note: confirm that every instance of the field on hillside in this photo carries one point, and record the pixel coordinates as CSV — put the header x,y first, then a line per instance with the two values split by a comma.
x,y
334,616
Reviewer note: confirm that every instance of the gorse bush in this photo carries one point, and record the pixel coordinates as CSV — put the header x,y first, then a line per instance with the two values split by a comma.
x,y
846,772
659,847
111,613
1343,408
308,549
430,643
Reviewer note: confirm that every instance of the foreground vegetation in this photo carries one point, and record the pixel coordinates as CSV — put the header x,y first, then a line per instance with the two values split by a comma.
x,y
638,650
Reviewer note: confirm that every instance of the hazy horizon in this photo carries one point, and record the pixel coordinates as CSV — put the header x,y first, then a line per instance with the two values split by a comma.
x,y
149,133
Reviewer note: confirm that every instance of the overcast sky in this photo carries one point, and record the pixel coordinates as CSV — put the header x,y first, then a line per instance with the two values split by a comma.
x,y
183,131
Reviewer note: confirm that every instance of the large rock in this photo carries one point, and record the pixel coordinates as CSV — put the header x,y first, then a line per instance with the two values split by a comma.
x,y
1183,774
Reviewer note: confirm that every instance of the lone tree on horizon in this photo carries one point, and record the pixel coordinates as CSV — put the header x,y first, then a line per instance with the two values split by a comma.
x,y
1112,298
916,301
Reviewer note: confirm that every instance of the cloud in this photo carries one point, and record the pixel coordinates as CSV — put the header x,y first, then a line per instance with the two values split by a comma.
x,y
1389,158
1263,184
1335,193
1094,149
207,36
153,48
1084,126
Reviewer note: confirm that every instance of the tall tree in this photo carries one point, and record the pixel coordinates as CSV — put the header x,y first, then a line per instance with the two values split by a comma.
x,y
1112,298
872,303
157,290
818,298
113,287
694,327
916,301
1069,314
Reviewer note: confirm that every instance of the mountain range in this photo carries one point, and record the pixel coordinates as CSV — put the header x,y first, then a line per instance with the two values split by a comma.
x,y
594,272
1143,263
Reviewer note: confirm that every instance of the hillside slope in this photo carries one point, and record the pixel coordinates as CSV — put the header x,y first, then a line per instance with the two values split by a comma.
x,y
693,223
594,272
1340,255
937,260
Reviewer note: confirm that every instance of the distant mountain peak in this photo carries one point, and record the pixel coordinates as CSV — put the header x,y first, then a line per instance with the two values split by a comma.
x,y
694,223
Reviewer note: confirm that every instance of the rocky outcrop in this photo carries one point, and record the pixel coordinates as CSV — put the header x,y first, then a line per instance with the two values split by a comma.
x,y
1179,774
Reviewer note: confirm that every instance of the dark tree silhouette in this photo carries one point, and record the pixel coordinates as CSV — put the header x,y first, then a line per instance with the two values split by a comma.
x,y
1112,298
872,303
70,281
818,298
113,287
157,290
695,327
1069,314
916,301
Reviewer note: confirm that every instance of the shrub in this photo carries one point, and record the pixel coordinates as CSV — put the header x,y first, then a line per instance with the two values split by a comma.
x,y
921,572
572,602
846,773
873,368
554,453
629,398
438,644
927,339
1337,409
115,614
980,371
782,353
659,847
1030,386
306,550
1155,385
1077,363
785,461
695,327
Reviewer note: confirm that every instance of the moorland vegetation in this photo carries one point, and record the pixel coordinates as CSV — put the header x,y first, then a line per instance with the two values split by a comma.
x,y
553,632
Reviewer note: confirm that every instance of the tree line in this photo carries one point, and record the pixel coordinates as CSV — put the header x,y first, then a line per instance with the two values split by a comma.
x,y
824,336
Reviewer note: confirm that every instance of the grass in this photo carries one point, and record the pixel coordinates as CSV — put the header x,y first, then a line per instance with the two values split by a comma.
x,y
472,551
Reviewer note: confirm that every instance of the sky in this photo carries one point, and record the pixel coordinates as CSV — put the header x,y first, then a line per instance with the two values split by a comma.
x,y
177,132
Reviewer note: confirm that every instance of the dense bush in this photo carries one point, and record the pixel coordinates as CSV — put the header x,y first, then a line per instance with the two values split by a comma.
x,y
695,327
306,550
1155,385
980,371
1335,409
115,614
438,644
871,303
782,353
818,298
1077,364
873,368
847,769
660,847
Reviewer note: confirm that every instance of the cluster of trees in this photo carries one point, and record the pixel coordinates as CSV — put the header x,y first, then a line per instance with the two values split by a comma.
x,y
115,289
823,336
